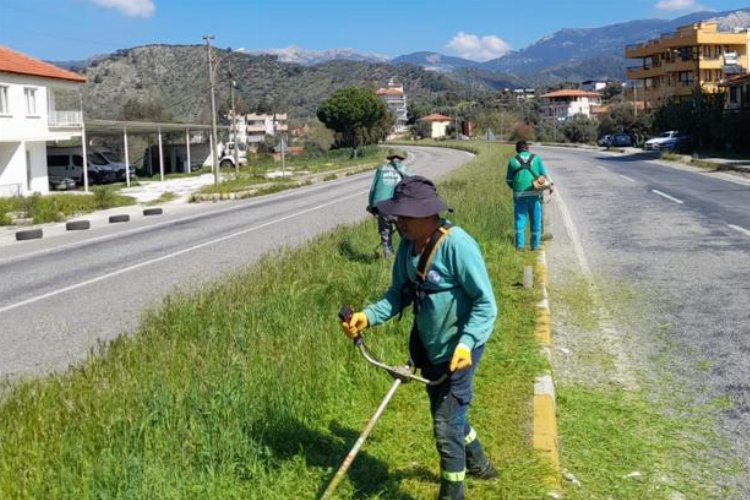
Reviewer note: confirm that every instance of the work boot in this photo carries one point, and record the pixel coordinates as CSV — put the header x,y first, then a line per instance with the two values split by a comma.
x,y
486,473
451,490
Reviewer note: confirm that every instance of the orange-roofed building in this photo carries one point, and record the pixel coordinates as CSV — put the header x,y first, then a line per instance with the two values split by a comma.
x,y
30,91
394,98
567,103
438,124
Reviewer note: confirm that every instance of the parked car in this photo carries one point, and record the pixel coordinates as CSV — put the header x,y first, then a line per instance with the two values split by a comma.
x,y
62,183
621,140
670,140
65,162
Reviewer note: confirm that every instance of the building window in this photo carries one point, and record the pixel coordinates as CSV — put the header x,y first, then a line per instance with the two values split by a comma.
x,y
733,95
4,109
30,96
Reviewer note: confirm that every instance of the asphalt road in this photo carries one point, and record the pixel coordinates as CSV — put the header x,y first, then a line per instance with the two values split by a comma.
x,y
60,295
679,237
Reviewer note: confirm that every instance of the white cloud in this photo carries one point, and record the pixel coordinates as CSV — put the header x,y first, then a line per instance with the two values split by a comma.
x,y
133,8
679,5
478,48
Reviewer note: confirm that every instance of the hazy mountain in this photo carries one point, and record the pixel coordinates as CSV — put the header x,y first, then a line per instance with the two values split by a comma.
x,y
435,62
585,49
79,64
311,57
176,77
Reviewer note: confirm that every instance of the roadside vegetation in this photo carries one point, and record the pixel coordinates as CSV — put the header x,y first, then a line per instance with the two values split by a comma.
x,y
59,207
248,388
624,430
254,177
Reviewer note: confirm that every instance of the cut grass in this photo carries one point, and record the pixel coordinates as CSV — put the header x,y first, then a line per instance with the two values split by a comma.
x,y
248,388
620,442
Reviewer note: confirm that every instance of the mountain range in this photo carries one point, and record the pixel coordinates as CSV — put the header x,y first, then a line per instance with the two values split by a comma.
x,y
297,80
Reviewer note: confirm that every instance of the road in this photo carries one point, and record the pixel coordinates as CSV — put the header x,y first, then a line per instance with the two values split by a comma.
x,y
679,238
60,296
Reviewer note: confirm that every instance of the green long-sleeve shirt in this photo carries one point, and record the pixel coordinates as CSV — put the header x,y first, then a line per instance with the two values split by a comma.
x,y
463,309
385,180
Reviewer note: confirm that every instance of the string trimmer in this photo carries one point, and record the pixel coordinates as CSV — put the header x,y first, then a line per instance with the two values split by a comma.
x,y
400,374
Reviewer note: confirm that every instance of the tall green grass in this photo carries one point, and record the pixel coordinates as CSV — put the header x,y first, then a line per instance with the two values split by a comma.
x,y
249,389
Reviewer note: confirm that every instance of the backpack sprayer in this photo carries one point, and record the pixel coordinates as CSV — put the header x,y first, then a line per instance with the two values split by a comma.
x,y
401,375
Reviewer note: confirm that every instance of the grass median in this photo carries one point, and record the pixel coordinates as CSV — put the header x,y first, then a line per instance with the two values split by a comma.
x,y
248,388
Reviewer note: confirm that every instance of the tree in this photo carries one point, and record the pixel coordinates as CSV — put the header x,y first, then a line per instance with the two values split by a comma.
x,y
318,137
136,110
579,129
356,116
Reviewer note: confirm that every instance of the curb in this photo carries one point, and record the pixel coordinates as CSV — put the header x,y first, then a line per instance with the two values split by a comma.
x,y
544,426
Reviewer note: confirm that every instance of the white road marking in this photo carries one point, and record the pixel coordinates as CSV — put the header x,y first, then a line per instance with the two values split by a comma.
x,y
601,168
741,229
574,237
627,178
140,229
665,195
173,254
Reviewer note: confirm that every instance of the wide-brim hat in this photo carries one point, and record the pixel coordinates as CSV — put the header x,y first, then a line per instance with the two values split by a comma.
x,y
396,153
414,196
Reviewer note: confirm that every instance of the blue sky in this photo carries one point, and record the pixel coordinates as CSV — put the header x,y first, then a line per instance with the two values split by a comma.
x,y
475,29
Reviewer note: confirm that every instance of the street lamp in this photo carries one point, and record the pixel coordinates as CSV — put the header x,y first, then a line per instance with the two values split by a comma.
x,y
212,67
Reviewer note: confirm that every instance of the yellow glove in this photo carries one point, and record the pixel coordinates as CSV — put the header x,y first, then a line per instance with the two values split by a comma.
x,y
461,358
356,324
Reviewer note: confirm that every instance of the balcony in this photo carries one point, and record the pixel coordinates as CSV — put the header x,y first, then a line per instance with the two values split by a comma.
x,y
57,118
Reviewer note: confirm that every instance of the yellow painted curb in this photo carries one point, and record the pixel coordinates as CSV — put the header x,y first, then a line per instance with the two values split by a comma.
x,y
544,429
543,332
544,425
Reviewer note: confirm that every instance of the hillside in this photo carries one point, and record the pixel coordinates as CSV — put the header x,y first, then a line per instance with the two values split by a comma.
x,y
177,77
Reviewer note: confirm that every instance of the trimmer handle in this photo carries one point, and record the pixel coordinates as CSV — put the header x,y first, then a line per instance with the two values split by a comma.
x,y
345,315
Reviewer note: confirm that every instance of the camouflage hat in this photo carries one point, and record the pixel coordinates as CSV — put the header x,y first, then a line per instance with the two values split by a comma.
x,y
396,153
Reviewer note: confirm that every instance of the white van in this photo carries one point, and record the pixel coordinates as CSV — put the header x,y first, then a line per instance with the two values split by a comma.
x,y
67,162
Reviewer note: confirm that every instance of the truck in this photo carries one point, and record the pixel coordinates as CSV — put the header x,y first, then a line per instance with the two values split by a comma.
x,y
227,156
175,157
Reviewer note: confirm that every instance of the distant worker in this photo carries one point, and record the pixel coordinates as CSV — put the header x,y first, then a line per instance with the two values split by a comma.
x,y
528,179
383,184
440,271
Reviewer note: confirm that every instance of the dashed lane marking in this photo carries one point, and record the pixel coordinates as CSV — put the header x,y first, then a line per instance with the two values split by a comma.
x,y
627,178
741,229
174,254
665,195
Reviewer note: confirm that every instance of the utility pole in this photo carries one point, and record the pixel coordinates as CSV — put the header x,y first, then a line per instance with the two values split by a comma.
x,y
234,121
211,75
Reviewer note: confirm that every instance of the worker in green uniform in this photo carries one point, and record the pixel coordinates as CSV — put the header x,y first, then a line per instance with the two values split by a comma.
x,y
439,269
387,176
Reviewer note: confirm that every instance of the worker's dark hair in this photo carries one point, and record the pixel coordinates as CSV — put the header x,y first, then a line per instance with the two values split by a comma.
x,y
522,146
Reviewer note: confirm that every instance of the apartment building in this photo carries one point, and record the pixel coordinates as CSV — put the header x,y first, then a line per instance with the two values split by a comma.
x,y
252,128
695,56
39,102
394,98
567,103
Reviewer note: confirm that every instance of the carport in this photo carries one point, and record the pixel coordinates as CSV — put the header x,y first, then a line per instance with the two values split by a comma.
x,y
125,129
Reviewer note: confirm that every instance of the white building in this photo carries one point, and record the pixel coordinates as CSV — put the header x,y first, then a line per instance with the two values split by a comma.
x,y
566,103
394,99
30,93
253,128
438,124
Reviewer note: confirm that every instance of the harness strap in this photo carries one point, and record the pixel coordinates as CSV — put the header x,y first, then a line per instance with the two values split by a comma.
x,y
525,165
413,293
429,250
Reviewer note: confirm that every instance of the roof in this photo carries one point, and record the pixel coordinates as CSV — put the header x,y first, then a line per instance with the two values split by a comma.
x,y
435,118
21,64
736,80
571,93
389,91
